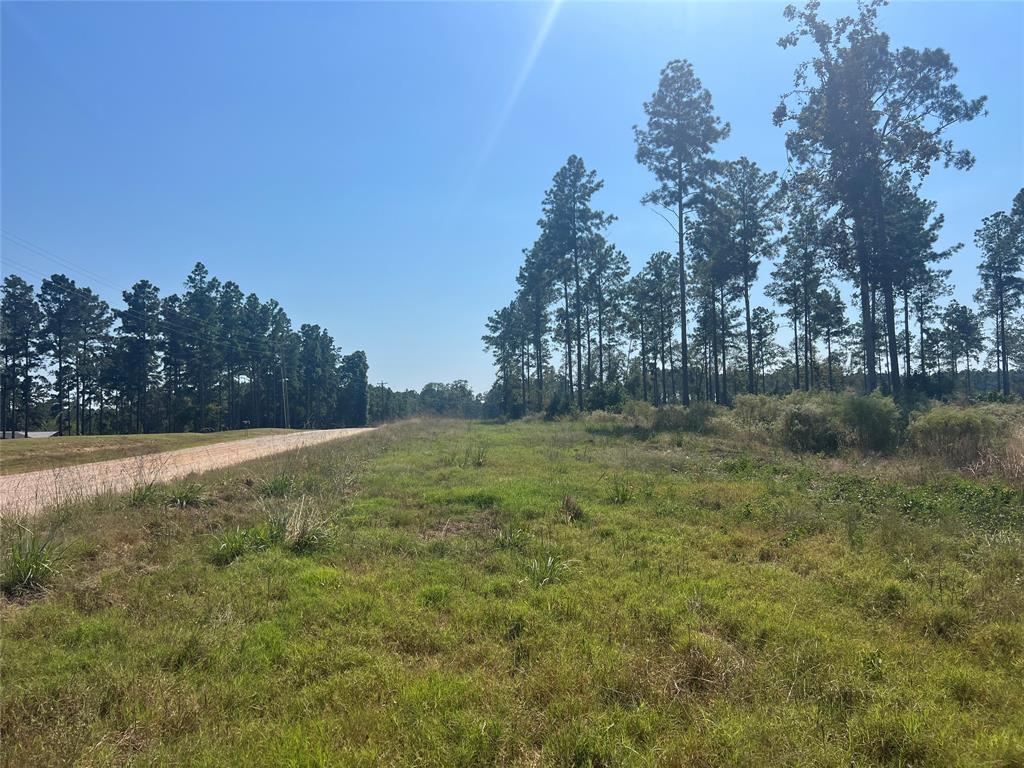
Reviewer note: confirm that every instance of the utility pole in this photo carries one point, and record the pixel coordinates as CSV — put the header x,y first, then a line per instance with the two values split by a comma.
x,y
284,396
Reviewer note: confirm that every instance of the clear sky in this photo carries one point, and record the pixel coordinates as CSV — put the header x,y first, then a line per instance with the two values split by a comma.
x,y
378,167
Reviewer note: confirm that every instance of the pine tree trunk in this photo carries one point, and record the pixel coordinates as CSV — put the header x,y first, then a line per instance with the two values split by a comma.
x,y
682,304
891,343
866,315
750,341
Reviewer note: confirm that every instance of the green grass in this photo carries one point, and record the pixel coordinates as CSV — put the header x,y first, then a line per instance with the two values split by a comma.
x,y
396,602
52,452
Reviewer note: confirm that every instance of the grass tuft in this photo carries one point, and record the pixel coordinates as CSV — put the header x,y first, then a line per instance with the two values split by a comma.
x,y
29,564
553,569
186,496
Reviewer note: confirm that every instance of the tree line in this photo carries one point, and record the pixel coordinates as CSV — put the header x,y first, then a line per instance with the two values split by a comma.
x,y
208,358
866,122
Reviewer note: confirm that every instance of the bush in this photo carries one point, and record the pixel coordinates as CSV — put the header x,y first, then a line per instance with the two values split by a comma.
x,y
639,413
757,410
605,397
695,418
958,436
562,404
873,419
809,426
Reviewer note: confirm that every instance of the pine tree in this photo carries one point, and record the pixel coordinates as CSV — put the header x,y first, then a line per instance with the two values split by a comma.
x,y
1001,241
863,114
21,329
676,146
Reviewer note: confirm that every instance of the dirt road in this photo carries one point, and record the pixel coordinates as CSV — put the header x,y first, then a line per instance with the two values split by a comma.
x,y
31,492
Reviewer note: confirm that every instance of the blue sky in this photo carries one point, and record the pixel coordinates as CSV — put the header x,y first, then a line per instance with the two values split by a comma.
x,y
378,168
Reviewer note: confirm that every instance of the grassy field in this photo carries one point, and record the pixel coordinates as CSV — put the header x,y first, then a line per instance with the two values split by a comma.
x,y
52,452
565,594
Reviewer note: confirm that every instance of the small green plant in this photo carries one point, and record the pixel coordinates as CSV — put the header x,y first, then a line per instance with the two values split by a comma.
x,y
622,490
186,495
552,569
872,664
29,564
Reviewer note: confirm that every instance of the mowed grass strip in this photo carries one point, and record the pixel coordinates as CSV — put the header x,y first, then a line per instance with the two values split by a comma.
x,y
442,593
29,455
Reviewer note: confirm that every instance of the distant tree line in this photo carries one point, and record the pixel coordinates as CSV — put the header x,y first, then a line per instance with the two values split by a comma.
x,y
454,400
209,358
866,123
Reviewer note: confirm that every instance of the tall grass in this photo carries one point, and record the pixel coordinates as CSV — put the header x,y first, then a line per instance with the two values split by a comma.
x,y
29,563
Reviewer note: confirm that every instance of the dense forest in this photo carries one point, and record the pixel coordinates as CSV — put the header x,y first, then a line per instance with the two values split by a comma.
x,y
866,122
210,358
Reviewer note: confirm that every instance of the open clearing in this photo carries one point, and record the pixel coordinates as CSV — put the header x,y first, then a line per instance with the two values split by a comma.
x,y
427,595
30,492
18,456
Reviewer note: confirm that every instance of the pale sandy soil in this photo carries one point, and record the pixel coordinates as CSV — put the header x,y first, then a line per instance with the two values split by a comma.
x,y
28,493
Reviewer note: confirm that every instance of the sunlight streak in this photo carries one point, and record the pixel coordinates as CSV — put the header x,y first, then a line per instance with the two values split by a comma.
x,y
517,88
510,102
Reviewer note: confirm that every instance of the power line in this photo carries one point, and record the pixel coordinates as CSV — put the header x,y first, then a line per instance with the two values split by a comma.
x,y
189,333
246,344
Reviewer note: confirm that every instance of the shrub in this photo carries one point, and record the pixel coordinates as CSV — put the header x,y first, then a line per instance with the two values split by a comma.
x,y
562,404
809,426
29,564
475,456
605,397
756,410
639,413
873,419
958,436
695,418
